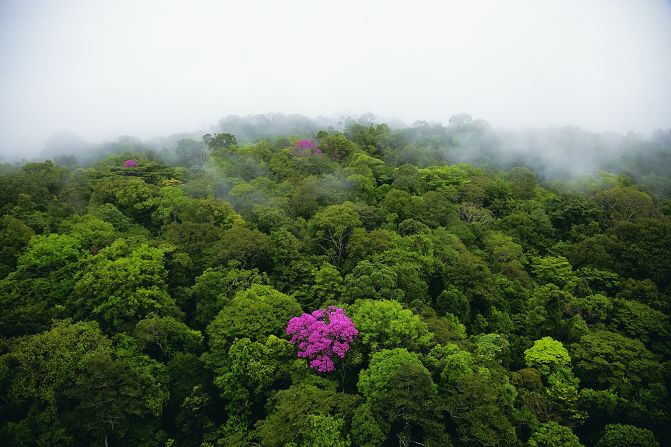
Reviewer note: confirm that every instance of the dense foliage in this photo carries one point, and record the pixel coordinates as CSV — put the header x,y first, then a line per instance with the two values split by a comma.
x,y
356,288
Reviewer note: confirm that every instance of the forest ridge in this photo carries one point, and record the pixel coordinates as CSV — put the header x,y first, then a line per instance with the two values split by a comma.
x,y
281,283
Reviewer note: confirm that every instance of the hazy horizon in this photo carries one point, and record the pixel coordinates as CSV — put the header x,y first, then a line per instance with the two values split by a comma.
x,y
104,69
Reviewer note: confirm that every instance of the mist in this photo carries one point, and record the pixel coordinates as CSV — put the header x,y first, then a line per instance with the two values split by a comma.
x,y
76,73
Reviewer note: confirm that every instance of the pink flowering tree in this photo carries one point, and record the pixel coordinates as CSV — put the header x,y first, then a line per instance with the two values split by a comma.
x,y
130,164
322,336
303,148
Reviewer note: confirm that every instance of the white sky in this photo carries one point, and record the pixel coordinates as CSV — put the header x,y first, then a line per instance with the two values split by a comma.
x,y
148,68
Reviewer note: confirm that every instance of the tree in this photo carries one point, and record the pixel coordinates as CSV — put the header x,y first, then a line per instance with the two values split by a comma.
x,y
92,232
322,336
644,291
489,310
328,284
453,301
624,203
445,328
443,178
400,390
291,412
250,370
304,200
414,268
545,311
566,210
552,270
465,271
254,313
39,182
641,250
122,285
39,289
366,430
111,214
71,386
640,321
547,356
250,247
371,280
325,431
374,138
386,324
165,336
215,288
336,146
220,141
523,181
531,229
474,214
505,256
449,363
171,205
437,209
480,404
460,119
399,205
552,360
131,195
551,434
492,347
49,253
14,235
331,227
193,420
192,239
593,308
606,359
621,435
363,245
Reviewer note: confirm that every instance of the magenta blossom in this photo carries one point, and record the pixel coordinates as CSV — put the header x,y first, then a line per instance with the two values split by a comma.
x,y
130,164
321,336
305,144
306,147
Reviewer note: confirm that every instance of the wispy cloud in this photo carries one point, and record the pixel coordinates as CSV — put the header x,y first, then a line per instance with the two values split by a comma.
x,y
105,68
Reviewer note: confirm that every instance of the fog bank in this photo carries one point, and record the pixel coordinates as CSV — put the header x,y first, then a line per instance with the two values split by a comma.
x,y
107,68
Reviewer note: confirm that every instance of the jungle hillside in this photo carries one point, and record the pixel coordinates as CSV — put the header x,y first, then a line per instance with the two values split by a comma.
x,y
282,282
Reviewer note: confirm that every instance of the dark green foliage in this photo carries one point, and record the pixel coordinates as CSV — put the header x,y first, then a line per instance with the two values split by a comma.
x,y
14,235
371,281
480,404
250,248
122,285
254,313
215,288
401,394
38,290
455,302
71,386
291,412
606,359
621,435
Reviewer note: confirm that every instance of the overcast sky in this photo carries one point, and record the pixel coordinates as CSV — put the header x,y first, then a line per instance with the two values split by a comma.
x,y
102,68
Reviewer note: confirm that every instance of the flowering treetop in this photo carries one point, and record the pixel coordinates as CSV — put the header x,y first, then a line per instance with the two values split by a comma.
x,y
130,164
321,336
306,147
